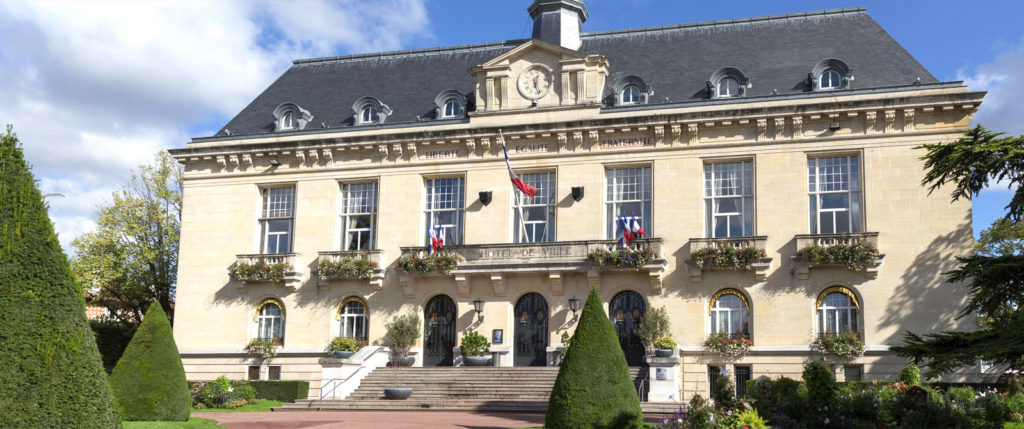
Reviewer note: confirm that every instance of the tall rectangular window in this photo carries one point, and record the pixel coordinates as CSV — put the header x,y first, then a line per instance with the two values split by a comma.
x,y
538,211
628,193
445,205
834,194
713,373
729,199
742,377
359,216
277,219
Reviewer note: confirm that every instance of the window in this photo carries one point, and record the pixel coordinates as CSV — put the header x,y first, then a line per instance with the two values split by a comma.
x,y
830,79
729,199
352,318
254,372
277,220
713,373
370,115
730,314
288,122
452,109
359,215
630,95
628,194
289,116
728,87
445,204
853,372
837,311
742,376
834,186
274,372
539,211
270,322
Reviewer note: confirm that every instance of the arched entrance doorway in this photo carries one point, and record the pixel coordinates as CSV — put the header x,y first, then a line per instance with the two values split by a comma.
x,y
439,331
627,309
531,331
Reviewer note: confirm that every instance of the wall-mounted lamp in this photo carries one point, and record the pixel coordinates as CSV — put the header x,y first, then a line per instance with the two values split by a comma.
x,y
478,305
833,126
275,162
574,305
577,193
485,197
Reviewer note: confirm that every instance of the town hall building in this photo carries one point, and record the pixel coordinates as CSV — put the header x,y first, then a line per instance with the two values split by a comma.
x,y
767,140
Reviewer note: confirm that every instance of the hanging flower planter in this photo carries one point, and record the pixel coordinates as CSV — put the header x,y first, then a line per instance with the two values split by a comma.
x,y
634,258
345,268
727,346
433,263
726,256
846,345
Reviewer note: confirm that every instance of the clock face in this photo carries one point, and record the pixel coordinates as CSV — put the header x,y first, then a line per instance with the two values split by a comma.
x,y
534,83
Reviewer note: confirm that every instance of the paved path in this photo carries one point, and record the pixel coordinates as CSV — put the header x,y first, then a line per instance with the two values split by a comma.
x,y
375,419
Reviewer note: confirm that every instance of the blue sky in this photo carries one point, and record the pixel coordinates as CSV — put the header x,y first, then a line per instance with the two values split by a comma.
x,y
95,88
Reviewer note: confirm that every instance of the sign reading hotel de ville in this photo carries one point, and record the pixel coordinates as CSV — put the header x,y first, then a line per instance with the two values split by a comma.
x,y
526,251
615,142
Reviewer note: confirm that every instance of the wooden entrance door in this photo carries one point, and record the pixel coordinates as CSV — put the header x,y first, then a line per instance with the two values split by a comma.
x,y
531,331
627,310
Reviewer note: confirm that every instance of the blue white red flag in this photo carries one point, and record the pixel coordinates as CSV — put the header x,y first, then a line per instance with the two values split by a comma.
x,y
516,181
631,229
436,239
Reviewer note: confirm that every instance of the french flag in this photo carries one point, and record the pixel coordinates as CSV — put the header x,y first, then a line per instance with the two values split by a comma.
x,y
631,229
516,181
436,239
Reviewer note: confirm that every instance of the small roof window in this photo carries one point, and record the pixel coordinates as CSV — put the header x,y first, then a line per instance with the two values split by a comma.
x,y
369,110
289,117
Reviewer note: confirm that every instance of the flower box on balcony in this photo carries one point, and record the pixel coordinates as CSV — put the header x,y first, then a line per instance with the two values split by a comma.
x,y
274,268
443,262
734,253
730,347
634,257
852,251
350,265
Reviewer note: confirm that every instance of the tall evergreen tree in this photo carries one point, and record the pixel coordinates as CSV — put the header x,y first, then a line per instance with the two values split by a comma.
x,y
594,388
149,380
51,374
995,272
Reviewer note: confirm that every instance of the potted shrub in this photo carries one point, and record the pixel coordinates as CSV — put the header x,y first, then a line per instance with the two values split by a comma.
x,y
343,347
653,326
402,332
664,347
475,348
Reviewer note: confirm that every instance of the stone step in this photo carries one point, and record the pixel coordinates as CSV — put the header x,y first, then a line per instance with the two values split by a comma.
x,y
650,409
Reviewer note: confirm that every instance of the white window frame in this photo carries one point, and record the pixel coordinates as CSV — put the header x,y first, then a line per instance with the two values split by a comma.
x,y
288,121
275,322
545,182
450,111
822,182
353,208
718,310
826,311
348,320
276,211
369,115
714,192
630,95
836,83
616,179
456,203
725,81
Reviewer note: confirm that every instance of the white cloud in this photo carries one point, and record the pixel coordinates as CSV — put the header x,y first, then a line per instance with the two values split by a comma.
x,y
1001,109
96,88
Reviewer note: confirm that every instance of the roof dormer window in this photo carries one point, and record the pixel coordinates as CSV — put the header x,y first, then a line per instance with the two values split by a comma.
x,y
288,122
728,87
449,104
630,95
370,115
369,110
830,75
727,82
630,90
830,79
452,109
289,117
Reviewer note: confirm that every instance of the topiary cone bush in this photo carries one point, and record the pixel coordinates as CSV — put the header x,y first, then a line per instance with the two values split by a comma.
x,y
149,381
51,375
594,388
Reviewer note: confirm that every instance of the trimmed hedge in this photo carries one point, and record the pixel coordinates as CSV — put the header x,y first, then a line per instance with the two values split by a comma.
x,y
594,388
149,380
52,375
284,391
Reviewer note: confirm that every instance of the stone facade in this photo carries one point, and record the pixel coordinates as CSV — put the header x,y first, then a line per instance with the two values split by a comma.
x,y
570,133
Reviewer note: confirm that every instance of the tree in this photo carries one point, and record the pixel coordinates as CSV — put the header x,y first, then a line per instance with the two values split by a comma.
x,y
594,388
149,380
131,259
51,374
995,272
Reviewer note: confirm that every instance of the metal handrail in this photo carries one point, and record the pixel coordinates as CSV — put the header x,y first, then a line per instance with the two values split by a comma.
x,y
335,381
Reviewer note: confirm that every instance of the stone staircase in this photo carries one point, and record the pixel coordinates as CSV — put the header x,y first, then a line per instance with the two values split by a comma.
x,y
522,389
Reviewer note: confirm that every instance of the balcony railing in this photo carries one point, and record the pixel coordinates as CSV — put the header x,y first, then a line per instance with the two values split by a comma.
x,y
801,267
759,264
271,267
374,274
552,259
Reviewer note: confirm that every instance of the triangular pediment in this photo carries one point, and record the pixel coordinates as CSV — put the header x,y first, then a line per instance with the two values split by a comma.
x,y
531,46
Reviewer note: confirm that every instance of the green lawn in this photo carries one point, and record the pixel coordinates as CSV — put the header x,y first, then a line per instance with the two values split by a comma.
x,y
1011,425
192,423
260,405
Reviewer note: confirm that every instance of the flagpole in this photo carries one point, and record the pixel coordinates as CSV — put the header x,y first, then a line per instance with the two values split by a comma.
x,y
515,191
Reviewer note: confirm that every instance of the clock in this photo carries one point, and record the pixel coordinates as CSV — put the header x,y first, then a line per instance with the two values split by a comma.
x,y
534,83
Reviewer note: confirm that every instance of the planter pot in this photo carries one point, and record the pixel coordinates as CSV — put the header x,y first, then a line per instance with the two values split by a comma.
x,y
663,352
343,355
403,361
476,360
397,392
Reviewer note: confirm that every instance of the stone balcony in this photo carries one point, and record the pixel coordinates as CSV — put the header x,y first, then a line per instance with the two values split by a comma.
x,y
291,277
552,260
759,266
802,268
376,276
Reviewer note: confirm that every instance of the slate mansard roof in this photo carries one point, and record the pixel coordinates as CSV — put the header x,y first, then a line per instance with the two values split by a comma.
x,y
775,52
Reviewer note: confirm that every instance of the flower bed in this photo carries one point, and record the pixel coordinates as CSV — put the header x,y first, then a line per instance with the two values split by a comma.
x,y
353,268
855,256
259,271
846,345
634,258
442,262
726,256
727,346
